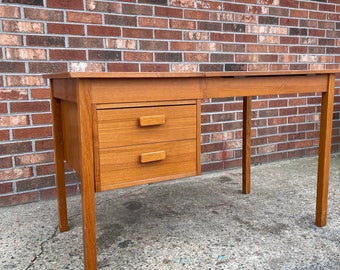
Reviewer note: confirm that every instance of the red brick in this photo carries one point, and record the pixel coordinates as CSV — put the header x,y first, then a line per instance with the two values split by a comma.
x,y
13,94
9,12
84,17
5,162
296,119
297,101
6,188
104,6
220,57
17,81
30,133
317,15
38,158
221,37
308,5
67,55
12,67
66,29
15,120
196,15
153,22
289,3
266,149
210,5
47,67
105,55
153,45
15,148
43,14
168,12
4,135
10,40
211,128
62,4
27,54
43,145
82,42
182,46
93,30
87,67
35,183
212,166
122,67
19,198
234,7
22,27
277,138
213,147
183,3
40,119
267,131
154,67
196,57
138,56
182,24
137,9
166,34
282,12
44,169
298,13
51,193
36,106
277,121
15,173
45,41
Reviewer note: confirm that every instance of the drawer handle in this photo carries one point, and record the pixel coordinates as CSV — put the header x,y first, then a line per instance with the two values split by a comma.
x,y
153,120
152,156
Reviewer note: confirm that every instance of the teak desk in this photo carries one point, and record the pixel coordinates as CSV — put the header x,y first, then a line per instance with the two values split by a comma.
x,y
124,129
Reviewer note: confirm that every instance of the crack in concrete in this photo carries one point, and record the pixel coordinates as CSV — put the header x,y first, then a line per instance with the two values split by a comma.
x,y
42,248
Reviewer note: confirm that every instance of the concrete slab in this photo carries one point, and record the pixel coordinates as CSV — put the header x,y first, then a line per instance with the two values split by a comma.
x,y
194,223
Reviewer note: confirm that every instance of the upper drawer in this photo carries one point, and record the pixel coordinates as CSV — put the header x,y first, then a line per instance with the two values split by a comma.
x,y
130,126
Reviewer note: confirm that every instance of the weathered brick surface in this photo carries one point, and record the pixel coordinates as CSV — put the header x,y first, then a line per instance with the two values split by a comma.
x,y
151,36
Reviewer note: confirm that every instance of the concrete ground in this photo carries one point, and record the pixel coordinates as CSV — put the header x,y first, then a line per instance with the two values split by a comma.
x,y
194,223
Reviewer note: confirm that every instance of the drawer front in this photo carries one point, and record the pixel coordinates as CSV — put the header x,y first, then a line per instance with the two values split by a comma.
x,y
132,165
131,126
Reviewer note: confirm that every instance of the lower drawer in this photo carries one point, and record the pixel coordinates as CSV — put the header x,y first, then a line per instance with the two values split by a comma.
x,y
147,163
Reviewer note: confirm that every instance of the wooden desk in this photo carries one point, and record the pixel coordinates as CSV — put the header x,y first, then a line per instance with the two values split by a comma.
x,y
124,129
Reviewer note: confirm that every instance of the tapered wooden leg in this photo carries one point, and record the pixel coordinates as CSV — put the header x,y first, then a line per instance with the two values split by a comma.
x,y
87,176
246,151
60,167
324,153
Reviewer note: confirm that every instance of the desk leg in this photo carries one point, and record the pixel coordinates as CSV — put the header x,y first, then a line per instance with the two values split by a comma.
x,y
246,150
60,166
87,176
324,152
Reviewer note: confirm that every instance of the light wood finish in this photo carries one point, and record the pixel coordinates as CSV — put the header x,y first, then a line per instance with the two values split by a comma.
x,y
121,166
87,174
154,120
246,142
71,136
324,152
153,156
59,161
94,101
118,127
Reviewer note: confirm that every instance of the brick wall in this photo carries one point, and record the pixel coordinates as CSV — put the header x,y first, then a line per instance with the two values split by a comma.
x,y
44,36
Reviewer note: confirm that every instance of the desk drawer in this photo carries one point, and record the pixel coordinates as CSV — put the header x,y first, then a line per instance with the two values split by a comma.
x,y
138,164
131,126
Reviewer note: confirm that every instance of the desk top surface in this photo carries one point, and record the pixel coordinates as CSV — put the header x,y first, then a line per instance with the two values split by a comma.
x,y
132,75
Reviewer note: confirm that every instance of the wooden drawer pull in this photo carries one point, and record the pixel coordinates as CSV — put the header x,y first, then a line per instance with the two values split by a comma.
x,y
152,156
153,120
